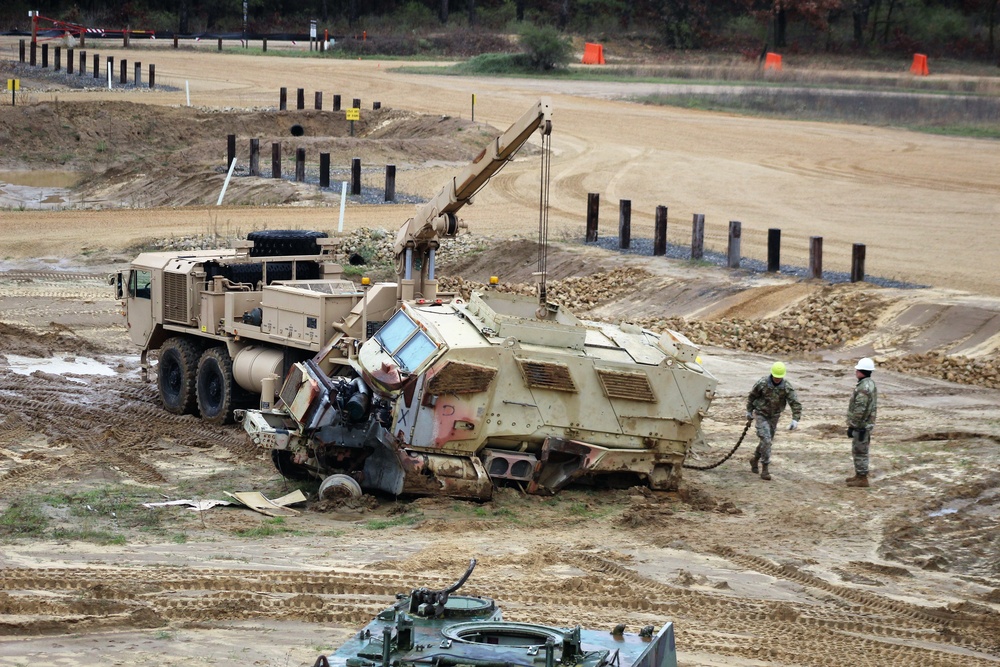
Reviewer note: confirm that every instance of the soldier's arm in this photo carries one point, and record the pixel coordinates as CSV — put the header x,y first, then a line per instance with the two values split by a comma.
x,y
754,395
793,402
858,408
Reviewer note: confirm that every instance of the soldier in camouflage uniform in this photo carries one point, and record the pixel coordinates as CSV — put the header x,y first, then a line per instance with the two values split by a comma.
x,y
765,404
861,415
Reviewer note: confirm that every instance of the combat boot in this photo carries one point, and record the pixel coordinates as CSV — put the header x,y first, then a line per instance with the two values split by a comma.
x,y
753,463
859,481
766,475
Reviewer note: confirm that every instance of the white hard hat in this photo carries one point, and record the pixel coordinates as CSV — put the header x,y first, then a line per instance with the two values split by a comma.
x,y
865,364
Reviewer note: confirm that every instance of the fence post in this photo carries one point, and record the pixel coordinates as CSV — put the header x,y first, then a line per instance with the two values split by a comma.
x,y
69,61
376,105
390,182
300,98
733,249
122,76
21,49
356,176
660,232
858,263
58,65
624,223
83,64
773,250
265,45
220,43
319,100
698,236
357,103
230,149
125,39
255,157
276,159
336,102
45,55
300,165
137,74
175,41
324,170
152,75
33,57
593,209
283,99
815,256
97,66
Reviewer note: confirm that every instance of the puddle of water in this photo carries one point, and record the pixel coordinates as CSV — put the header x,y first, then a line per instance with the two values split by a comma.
x,y
41,178
36,189
58,366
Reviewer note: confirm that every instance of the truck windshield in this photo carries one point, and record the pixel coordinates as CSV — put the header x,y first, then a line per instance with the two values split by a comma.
x,y
402,339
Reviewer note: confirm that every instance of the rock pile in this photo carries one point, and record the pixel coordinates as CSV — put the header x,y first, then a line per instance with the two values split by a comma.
x,y
981,371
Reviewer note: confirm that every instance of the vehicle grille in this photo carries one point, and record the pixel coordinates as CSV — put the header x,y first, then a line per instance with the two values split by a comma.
x,y
630,386
175,298
547,376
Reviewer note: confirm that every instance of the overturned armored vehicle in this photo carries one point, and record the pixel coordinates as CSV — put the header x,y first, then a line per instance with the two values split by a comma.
x,y
451,398
435,627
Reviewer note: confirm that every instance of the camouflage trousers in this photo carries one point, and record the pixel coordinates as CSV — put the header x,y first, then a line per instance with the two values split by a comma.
x,y
766,427
859,449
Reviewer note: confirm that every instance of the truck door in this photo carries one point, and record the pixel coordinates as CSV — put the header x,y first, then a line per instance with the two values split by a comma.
x,y
139,305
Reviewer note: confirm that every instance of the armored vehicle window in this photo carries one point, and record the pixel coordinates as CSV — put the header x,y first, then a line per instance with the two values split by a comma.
x,y
415,351
405,342
395,331
138,284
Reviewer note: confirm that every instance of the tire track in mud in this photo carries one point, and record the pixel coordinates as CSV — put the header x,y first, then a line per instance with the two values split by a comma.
x,y
764,630
109,422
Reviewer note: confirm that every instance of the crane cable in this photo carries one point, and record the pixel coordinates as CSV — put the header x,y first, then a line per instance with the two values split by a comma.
x,y
543,217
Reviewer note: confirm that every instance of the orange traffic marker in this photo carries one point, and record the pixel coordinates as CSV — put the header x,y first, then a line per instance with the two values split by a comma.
x,y
773,62
919,66
593,54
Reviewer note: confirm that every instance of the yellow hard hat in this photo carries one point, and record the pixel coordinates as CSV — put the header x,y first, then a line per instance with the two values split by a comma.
x,y
778,370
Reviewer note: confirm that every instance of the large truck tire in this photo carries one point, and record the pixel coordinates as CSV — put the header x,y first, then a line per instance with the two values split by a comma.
x,y
279,242
218,393
176,372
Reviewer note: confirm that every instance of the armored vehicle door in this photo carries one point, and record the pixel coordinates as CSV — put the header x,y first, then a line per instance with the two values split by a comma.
x,y
139,305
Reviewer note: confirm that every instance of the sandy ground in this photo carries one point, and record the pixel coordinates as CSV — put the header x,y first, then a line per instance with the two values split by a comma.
x,y
798,571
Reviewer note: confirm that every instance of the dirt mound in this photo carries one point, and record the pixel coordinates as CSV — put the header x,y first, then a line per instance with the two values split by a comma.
x,y
142,155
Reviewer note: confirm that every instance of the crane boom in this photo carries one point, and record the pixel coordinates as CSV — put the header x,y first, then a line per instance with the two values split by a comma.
x,y
436,219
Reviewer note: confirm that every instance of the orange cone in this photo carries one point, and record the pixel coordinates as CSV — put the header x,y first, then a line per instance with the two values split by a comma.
x,y
593,54
919,66
773,62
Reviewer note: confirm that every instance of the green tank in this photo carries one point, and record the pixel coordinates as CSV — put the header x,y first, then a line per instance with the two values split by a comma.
x,y
439,629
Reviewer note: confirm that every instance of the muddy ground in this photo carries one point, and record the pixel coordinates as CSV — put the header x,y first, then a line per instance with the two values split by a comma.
x,y
797,571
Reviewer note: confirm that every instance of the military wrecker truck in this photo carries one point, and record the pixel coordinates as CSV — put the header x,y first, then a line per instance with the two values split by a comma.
x,y
450,397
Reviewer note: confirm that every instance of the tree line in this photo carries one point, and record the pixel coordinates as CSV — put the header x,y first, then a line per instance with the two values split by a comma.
x,y
960,28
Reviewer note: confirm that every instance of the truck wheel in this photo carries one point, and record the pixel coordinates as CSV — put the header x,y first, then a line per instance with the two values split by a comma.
x,y
175,376
217,390
342,486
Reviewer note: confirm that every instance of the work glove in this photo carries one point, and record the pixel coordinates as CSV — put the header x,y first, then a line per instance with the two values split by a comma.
x,y
794,425
749,416
850,431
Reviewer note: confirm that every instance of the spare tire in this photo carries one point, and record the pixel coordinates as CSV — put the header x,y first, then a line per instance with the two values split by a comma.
x,y
278,242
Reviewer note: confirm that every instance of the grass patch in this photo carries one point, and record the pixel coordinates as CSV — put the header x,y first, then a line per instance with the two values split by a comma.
x,y
267,528
97,536
954,115
407,519
23,519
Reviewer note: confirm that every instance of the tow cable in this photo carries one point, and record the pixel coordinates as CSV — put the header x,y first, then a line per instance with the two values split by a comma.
x,y
727,456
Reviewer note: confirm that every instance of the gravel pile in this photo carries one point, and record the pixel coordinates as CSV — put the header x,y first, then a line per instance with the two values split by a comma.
x,y
981,371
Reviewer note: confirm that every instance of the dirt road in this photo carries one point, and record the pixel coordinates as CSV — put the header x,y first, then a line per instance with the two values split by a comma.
x,y
797,571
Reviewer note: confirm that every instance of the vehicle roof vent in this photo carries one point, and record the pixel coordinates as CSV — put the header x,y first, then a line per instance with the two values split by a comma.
x,y
547,376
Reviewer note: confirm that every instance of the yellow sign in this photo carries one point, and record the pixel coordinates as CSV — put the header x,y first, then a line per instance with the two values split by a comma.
x,y
354,113
13,84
